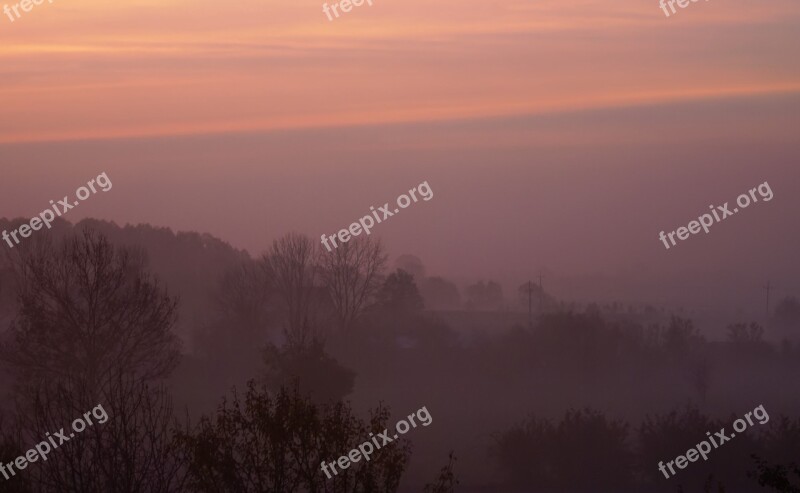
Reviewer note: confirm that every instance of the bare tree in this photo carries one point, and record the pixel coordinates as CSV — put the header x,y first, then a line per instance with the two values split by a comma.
x,y
87,310
93,328
290,263
353,273
128,448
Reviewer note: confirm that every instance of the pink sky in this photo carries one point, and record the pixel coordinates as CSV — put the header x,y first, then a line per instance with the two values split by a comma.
x,y
98,69
555,134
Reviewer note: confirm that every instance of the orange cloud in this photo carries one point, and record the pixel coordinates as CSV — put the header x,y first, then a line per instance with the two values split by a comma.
x,y
92,69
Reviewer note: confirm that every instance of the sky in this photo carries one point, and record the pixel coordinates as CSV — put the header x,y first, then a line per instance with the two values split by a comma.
x,y
557,136
95,69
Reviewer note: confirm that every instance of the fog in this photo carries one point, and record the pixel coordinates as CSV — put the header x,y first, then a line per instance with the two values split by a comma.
x,y
581,196
521,314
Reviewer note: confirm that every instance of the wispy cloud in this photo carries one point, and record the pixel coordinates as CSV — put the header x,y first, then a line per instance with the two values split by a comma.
x,y
80,69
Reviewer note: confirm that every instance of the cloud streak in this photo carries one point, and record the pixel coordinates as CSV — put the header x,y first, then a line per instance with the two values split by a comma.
x,y
90,69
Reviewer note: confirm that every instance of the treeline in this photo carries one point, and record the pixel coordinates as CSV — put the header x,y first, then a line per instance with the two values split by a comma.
x,y
93,326
584,451
298,330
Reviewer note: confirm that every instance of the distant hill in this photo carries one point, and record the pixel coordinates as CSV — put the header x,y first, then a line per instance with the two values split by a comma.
x,y
187,263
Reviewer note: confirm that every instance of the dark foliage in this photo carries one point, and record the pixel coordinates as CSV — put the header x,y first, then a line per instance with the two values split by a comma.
x,y
583,452
268,443
447,481
315,373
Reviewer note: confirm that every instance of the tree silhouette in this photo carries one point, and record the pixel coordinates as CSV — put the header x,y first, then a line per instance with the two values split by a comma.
x,y
291,265
680,337
440,293
777,476
399,294
131,452
87,311
745,334
314,372
446,482
663,437
411,264
483,296
265,443
94,328
583,452
352,274
242,296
